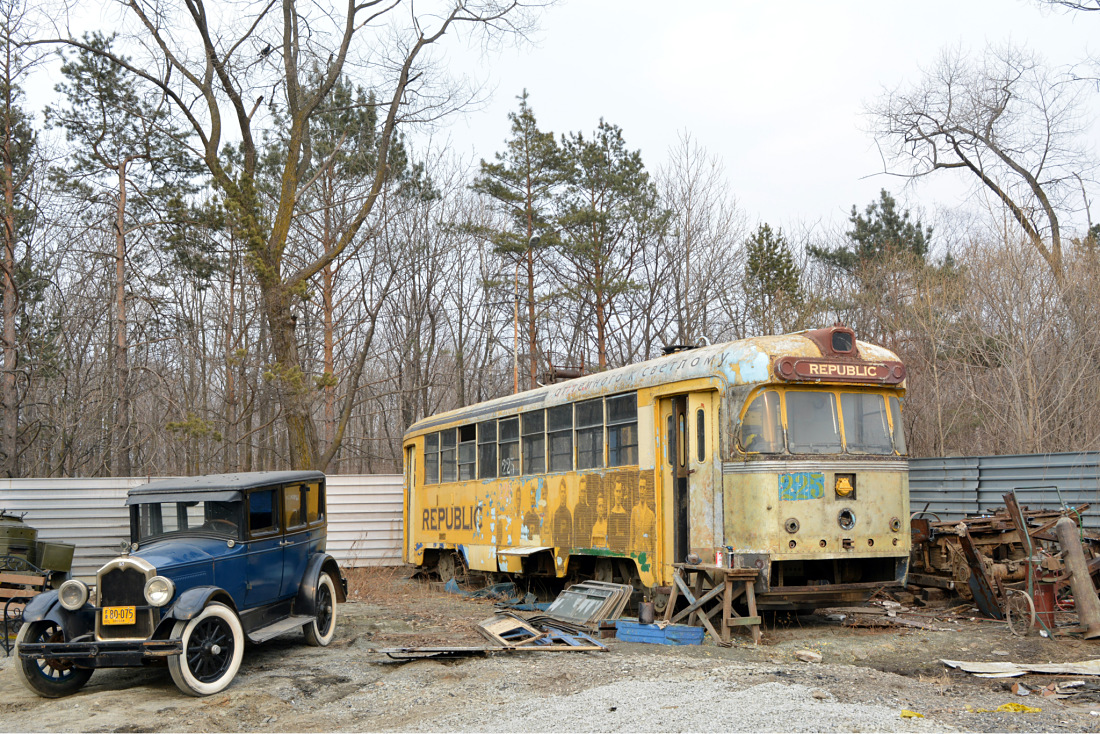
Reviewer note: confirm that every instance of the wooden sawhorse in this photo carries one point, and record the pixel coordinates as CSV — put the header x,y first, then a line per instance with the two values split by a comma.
x,y
727,585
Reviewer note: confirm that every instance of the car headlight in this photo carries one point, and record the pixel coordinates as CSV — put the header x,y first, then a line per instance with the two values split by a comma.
x,y
159,590
73,594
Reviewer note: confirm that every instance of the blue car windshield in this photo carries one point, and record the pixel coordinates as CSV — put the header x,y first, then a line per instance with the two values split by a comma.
x,y
157,519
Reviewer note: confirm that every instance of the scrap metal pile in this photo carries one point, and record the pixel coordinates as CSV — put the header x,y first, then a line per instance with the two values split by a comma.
x,y
1015,564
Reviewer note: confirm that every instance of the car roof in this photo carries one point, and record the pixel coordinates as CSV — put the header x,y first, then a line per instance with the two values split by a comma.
x,y
216,487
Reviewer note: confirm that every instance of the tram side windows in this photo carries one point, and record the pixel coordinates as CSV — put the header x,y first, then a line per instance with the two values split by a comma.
x,y
866,428
812,423
467,452
534,442
448,455
761,426
899,432
590,434
559,434
700,435
622,430
508,447
487,450
431,458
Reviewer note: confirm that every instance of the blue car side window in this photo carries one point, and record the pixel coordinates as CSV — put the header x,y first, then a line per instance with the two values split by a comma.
x,y
261,512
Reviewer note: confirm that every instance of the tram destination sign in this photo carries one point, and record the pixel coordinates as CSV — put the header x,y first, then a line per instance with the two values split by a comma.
x,y
827,370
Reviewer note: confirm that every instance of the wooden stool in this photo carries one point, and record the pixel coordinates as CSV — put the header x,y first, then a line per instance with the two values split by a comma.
x,y
727,585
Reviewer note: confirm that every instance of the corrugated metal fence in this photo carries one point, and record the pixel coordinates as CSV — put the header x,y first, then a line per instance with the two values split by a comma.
x,y
967,485
364,516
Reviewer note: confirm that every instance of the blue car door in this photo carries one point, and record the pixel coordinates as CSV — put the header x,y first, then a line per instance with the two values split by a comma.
x,y
265,549
296,539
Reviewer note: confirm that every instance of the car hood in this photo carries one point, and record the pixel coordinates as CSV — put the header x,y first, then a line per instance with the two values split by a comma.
x,y
175,552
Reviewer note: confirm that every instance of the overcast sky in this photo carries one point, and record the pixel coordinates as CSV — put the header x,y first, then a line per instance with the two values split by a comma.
x,y
776,89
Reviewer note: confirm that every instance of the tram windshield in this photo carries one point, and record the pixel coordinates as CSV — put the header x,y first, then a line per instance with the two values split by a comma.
x,y
823,422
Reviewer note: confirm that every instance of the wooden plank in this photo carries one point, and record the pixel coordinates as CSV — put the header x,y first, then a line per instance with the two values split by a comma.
x,y
23,579
745,621
697,605
750,594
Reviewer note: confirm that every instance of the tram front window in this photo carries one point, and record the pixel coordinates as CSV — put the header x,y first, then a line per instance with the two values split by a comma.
x,y
812,423
866,428
761,429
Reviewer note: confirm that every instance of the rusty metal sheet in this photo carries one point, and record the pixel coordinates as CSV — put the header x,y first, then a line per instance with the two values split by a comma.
x,y
978,582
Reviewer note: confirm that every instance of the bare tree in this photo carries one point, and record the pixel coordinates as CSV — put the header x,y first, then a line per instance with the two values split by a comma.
x,y
1007,120
269,52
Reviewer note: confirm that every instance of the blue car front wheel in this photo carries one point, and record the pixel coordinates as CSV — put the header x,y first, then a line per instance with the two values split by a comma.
x,y
213,645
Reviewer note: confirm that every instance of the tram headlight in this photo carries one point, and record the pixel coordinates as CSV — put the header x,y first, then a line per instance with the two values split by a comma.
x,y
846,519
73,594
845,486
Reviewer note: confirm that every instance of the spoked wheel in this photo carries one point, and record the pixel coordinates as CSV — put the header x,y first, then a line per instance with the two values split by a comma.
x,y
450,566
48,677
213,644
1019,612
321,630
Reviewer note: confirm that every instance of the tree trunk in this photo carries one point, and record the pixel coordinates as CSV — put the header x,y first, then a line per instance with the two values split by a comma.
x,y
121,458
9,398
288,378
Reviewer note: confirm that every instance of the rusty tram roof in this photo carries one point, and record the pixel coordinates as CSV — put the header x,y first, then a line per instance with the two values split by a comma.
x,y
743,362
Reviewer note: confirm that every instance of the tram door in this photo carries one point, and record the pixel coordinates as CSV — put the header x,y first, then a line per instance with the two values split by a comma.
x,y
675,472
688,471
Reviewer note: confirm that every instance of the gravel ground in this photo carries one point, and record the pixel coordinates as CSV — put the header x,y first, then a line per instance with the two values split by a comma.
x,y
868,677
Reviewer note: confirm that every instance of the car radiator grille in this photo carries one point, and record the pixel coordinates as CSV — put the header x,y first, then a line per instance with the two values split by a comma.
x,y
123,587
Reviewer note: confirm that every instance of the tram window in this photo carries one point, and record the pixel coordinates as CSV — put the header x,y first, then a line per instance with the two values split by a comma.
x,y
681,439
866,429
590,434
431,458
534,442
447,456
622,430
700,436
487,450
670,442
559,427
467,452
811,423
899,431
509,447
761,428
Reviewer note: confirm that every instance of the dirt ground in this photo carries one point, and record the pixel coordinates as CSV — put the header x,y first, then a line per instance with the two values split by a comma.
x,y
284,685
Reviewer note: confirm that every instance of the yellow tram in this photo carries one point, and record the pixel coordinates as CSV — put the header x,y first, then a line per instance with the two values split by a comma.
x,y
781,453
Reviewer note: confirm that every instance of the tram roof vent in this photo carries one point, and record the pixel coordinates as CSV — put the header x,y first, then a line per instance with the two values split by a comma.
x,y
837,340
673,348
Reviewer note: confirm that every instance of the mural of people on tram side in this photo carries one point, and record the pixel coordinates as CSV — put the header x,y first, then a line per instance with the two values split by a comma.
x,y
643,521
561,524
599,528
618,523
532,523
584,512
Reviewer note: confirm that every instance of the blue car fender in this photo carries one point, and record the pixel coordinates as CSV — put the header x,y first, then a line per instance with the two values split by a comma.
x,y
318,563
45,607
191,602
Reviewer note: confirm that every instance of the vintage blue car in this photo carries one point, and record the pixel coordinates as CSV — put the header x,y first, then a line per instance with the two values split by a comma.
x,y
211,561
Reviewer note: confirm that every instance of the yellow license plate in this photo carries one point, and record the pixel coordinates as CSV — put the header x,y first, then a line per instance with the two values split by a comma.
x,y
119,615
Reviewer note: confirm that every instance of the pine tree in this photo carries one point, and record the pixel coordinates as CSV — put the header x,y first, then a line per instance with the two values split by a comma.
x,y
522,183
608,209
880,233
129,159
772,286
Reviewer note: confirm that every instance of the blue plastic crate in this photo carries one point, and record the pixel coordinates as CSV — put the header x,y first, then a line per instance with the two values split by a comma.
x,y
673,634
